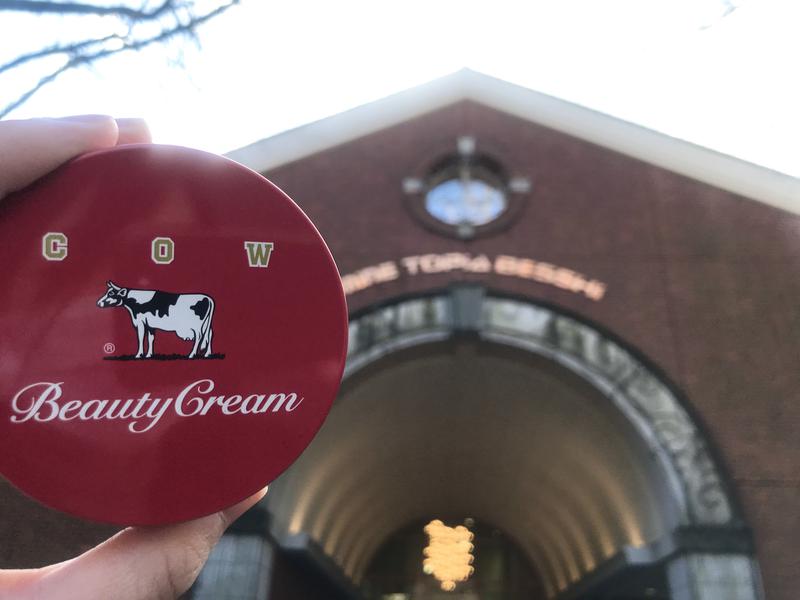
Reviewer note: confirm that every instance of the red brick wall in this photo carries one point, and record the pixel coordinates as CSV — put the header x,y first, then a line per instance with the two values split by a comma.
x,y
32,535
701,281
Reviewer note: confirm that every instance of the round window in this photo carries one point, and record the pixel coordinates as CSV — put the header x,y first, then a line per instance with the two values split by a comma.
x,y
465,201
466,194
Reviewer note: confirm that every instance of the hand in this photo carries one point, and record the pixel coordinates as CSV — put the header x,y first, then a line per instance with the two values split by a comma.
x,y
139,563
34,147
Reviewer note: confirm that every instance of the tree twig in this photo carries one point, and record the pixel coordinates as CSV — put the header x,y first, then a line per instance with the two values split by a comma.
x,y
79,59
40,84
79,8
66,49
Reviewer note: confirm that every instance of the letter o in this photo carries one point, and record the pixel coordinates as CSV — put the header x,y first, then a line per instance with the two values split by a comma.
x,y
162,250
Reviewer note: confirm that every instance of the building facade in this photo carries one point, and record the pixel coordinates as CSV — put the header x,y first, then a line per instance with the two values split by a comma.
x,y
574,337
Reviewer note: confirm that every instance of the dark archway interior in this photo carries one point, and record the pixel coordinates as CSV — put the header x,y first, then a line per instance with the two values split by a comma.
x,y
471,428
500,569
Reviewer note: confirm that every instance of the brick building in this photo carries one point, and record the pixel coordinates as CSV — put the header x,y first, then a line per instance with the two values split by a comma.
x,y
574,336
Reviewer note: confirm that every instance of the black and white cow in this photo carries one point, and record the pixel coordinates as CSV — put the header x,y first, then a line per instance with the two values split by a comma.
x,y
188,315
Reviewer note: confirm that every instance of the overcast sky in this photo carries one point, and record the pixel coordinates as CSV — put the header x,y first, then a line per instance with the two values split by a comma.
x,y
675,66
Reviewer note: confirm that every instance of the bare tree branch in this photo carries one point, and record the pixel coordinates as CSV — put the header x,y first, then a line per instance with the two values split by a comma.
x,y
79,8
66,49
85,52
42,82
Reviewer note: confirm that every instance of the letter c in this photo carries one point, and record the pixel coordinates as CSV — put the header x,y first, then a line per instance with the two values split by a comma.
x,y
55,246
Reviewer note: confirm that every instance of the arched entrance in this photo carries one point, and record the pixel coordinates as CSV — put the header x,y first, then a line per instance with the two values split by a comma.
x,y
468,404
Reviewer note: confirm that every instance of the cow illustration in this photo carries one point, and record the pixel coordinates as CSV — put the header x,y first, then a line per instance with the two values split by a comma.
x,y
188,315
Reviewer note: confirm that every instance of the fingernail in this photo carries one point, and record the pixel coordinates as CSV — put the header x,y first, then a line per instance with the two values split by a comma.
x,y
133,131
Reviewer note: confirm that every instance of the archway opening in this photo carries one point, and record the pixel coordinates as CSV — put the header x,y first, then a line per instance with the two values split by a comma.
x,y
464,405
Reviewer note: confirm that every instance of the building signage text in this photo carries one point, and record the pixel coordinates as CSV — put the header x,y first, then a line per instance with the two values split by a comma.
x,y
508,266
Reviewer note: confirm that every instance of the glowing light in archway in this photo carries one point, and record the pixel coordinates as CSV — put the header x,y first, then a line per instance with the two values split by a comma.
x,y
448,555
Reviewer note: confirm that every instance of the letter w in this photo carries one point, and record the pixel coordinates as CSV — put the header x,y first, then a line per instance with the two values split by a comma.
x,y
258,253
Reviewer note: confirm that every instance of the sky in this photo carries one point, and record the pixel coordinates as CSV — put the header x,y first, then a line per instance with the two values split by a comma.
x,y
677,66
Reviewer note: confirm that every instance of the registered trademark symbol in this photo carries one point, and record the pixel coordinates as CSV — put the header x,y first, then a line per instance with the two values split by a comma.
x,y
109,348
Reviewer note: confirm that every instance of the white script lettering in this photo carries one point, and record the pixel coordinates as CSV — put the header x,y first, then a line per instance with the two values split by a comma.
x,y
39,402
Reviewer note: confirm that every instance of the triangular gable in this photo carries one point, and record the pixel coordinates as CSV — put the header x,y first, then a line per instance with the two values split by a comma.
x,y
716,169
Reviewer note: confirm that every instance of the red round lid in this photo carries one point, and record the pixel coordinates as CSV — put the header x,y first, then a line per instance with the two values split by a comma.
x,y
172,335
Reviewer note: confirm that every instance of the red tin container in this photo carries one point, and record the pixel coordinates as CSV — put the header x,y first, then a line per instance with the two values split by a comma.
x,y
172,335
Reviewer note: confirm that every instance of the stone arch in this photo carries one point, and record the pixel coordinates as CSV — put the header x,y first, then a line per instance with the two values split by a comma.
x,y
642,394
708,553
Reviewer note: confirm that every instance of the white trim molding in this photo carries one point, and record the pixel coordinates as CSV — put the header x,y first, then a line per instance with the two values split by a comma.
x,y
702,164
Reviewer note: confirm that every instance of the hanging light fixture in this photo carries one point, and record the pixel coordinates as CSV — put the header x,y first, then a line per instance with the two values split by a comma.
x,y
448,555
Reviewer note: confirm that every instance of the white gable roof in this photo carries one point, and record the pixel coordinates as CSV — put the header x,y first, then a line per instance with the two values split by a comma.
x,y
720,170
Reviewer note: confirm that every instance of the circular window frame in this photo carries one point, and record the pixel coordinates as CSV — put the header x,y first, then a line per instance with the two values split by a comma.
x,y
482,167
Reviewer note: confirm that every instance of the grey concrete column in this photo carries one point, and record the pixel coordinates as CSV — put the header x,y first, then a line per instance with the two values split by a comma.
x,y
714,577
239,568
